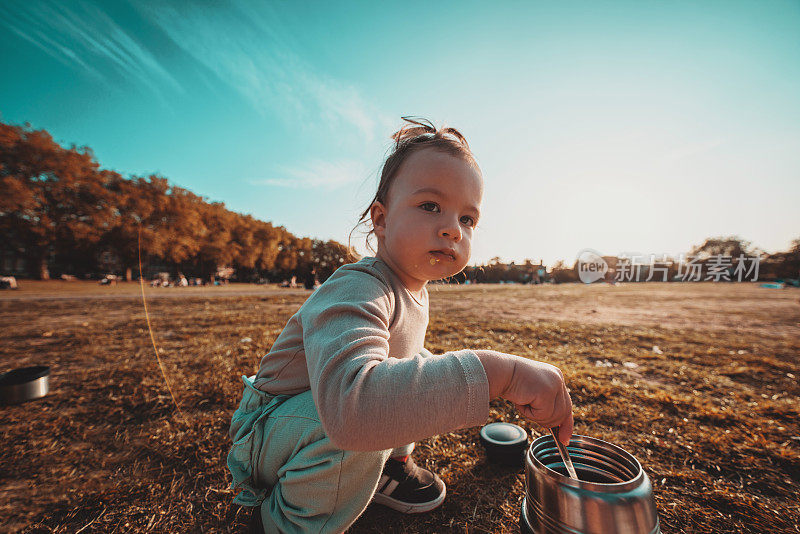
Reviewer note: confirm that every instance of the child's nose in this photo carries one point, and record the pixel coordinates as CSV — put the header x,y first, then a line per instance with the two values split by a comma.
x,y
451,231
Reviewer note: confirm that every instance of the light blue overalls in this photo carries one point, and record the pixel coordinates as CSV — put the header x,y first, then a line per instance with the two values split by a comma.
x,y
283,462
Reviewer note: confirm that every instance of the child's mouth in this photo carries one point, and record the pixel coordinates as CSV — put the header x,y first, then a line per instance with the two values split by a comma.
x,y
441,256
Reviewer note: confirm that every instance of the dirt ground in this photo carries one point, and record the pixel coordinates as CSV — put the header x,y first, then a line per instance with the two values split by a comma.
x,y
698,381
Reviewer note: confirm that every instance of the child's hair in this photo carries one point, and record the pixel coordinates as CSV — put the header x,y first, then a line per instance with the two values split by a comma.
x,y
417,135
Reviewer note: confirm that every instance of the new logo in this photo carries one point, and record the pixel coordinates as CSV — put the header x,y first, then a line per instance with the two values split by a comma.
x,y
591,266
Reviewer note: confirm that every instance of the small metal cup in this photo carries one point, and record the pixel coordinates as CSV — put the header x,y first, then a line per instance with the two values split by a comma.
x,y
24,384
613,495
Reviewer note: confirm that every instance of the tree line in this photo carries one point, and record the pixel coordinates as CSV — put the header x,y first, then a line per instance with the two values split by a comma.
x,y
60,213
783,265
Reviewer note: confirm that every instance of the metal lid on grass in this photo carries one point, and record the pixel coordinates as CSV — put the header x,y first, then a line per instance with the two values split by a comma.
x,y
24,384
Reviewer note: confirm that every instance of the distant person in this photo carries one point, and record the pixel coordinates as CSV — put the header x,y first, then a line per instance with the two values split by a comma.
x,y
311,281
329,421
8,282
292,282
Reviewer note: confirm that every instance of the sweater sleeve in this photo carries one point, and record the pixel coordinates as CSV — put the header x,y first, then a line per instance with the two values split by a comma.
x,y
369,401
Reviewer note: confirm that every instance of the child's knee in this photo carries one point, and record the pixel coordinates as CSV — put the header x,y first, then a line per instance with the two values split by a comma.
x,y
330,487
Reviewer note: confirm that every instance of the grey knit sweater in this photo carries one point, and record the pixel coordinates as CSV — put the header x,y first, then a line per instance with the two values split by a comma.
x,y
357,344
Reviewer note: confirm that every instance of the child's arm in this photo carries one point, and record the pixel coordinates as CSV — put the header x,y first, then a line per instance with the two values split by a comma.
x,y
537,388
367,400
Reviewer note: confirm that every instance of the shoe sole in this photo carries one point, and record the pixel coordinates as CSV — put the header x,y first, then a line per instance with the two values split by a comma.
x,y
409,508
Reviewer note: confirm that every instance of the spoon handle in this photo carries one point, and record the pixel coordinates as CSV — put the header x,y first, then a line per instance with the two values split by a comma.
x,y
564,454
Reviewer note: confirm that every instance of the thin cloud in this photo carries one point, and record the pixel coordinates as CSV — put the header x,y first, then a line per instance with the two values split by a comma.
x,y
244,48
318,174
694,149
78,34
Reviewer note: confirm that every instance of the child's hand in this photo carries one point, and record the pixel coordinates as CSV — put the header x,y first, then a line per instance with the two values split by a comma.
x,y
537,389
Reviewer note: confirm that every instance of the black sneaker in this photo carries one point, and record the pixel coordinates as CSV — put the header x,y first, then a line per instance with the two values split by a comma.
x,y
408,488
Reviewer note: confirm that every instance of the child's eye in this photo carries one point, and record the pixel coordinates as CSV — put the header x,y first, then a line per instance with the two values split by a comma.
x,y
429,206
469,221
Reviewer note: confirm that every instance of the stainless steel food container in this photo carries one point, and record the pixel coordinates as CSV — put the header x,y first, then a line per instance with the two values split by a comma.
x,y
613,495
24,384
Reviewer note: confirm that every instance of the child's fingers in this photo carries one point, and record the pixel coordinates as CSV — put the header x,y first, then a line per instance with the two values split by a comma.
x,y
562,406
565,430
527,411
553,414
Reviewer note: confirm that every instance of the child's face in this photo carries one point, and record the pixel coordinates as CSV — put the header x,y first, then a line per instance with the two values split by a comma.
x,y
425,228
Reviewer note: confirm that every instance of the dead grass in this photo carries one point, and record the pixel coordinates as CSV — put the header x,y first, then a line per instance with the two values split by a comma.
x,y
712,414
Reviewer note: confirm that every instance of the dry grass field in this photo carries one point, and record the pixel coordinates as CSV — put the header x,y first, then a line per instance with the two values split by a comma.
x,y
698,381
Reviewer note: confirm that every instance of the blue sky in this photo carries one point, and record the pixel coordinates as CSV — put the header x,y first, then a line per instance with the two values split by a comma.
x,y
620,126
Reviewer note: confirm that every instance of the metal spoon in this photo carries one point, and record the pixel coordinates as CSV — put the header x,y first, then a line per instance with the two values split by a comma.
x,y
564,454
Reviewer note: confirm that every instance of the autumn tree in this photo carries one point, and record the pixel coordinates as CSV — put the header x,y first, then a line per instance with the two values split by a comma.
x,y
215,247
57,203
246,252
327,257
303,250
57,199
732,246
784,265
561,272
267,238
286,259
140,204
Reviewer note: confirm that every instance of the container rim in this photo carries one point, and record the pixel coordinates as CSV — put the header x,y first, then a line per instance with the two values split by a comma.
x,y
23,375
576,442
521,438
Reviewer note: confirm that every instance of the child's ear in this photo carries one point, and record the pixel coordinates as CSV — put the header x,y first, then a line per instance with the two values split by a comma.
x,y
377,213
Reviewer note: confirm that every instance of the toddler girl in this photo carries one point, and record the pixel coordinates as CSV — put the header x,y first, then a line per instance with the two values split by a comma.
x,y
329,421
